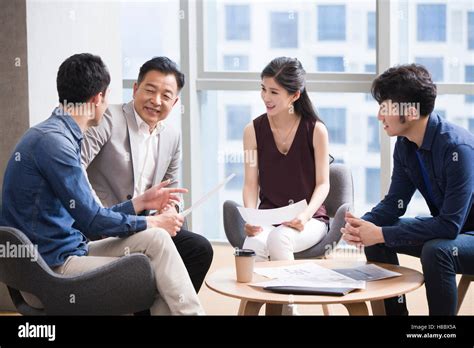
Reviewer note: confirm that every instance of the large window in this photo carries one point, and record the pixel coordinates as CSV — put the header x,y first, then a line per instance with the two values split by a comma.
x,y
327,37
331,22
223,45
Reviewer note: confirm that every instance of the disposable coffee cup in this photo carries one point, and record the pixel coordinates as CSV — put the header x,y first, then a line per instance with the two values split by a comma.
x,y
244,263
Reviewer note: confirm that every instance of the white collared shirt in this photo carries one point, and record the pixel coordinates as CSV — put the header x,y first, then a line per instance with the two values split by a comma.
x,y
147,155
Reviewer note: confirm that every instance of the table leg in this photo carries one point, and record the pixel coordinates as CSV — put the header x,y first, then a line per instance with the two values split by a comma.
x,y
378,307
359,308
326,309
273,309
249,307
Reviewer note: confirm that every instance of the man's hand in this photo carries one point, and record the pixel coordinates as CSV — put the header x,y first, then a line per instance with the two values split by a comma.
x,y
297,223
360,232
170,220
251,230
157,197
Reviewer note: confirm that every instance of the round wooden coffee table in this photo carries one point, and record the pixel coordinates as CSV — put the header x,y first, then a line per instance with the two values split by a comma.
x,y
253,298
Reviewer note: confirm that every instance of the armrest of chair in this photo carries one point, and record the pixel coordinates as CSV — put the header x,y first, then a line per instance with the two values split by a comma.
x,y
329,242
233,224
123,286
98,292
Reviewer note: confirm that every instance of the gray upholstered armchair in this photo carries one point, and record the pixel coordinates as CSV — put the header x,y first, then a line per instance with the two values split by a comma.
x,y
124,286
340,199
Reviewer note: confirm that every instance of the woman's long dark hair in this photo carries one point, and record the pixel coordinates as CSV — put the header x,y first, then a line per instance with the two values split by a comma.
x,y
289,73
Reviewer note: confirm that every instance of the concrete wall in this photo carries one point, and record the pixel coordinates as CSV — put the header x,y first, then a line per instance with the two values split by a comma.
x,y
14,119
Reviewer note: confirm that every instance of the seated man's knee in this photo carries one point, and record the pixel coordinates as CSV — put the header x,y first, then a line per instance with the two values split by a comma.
x,y
437,250
154,235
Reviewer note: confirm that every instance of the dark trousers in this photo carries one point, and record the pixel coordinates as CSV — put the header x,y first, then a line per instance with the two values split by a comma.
x,y
196,252
441,260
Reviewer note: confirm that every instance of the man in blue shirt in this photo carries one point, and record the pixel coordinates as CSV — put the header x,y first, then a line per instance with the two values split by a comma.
x,y
437,158
47,196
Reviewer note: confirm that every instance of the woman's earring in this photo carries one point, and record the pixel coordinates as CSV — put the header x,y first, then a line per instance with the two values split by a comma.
x,y
292,109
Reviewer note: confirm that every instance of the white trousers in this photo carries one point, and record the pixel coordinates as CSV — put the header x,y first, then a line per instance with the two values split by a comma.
x,y
279,243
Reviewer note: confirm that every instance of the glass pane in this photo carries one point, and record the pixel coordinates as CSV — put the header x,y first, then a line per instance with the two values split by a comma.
x,y
438,35
224,115
237,23
331,22
470,30
284,29
242,35
142,38
427,15
330,63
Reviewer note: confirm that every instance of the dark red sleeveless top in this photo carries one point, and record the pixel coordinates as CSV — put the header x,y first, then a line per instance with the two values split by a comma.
x,y
286,179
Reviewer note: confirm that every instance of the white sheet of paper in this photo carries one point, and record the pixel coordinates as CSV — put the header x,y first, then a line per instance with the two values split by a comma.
x,y
207,195
306,274
262,217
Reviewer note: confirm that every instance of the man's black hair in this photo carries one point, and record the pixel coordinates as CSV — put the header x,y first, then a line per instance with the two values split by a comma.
x,y
163,65
81,77
409,83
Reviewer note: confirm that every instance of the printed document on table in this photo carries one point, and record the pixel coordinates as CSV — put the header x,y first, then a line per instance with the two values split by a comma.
x,y
262,217
368,272
308,275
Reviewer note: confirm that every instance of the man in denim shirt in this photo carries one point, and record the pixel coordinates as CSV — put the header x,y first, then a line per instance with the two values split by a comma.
x,y
437,158
47,196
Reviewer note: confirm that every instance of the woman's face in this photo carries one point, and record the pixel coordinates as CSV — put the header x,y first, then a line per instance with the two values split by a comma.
x,y
277,100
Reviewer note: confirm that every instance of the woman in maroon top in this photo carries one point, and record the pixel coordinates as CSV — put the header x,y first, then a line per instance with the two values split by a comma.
x,y
291,146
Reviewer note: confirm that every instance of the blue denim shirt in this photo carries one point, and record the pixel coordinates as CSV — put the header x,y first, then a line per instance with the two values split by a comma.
x,y
447,152
47,196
